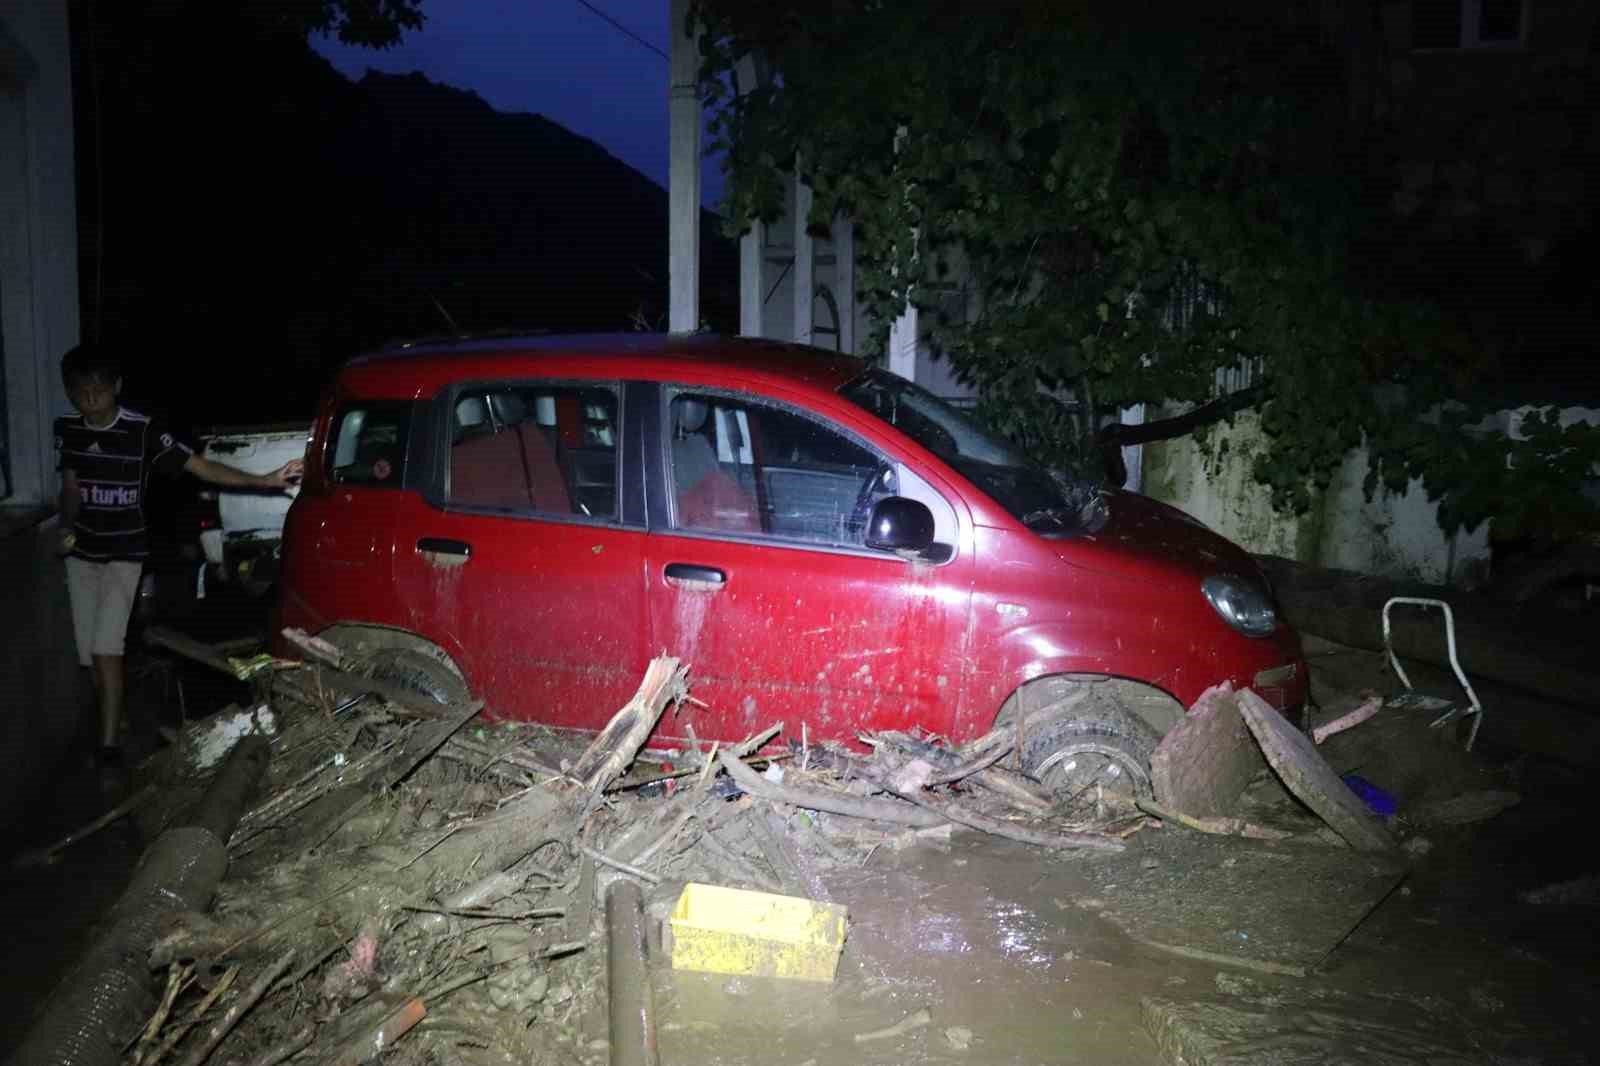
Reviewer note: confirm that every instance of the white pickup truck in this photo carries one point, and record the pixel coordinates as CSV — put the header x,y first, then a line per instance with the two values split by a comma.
x,y
243,543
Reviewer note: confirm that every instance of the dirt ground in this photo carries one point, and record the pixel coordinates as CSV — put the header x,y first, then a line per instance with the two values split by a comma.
x,y
1017,954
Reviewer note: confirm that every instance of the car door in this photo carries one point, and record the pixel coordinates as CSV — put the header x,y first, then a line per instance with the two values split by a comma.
x,y
524,561
339,533
758,579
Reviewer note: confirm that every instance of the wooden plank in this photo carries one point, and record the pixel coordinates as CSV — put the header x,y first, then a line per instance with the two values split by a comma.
x,y
189,648
1202,765
1308,775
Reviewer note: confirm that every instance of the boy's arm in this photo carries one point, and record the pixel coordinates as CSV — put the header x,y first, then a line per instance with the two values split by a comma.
x,y
69,499
233,478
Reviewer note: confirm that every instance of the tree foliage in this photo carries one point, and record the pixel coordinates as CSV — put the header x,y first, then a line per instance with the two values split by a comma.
x,y
1136,197
370,23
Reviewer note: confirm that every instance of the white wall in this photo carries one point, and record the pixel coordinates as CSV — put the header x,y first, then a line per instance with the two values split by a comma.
x,y
38,233
1395,534
1222,492
1392,535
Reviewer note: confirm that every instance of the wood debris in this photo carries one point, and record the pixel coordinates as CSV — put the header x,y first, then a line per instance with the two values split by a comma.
x,y
412,872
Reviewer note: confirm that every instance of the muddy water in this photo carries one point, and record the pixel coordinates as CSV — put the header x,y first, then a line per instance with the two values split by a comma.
x,y
982,934
994,942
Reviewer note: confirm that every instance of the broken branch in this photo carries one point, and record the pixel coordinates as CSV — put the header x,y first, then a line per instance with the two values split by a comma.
x,y
821,800
949,810
909,1024
1215,826
239,1009
45,856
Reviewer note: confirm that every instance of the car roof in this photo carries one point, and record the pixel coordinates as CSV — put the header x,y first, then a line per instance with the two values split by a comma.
x,y
647,355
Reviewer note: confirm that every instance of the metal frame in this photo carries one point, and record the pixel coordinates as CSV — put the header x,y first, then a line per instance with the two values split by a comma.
x,y
1475,708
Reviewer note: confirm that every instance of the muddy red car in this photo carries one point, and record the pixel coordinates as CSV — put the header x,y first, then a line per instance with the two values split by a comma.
x,y
823,542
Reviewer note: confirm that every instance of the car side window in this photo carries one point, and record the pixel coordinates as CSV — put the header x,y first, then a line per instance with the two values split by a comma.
x,y
535,448
369,443
742,465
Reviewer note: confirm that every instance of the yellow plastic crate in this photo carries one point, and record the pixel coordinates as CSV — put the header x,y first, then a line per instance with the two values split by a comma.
x,y
735,931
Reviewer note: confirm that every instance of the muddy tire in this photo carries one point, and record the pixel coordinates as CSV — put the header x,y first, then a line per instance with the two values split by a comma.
x,y
1092,740
413,671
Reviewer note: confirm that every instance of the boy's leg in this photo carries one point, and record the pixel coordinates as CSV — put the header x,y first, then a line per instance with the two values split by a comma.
x,y
108,691
83,591
119,586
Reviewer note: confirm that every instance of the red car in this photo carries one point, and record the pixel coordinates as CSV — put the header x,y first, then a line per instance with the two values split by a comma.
x,y
823,542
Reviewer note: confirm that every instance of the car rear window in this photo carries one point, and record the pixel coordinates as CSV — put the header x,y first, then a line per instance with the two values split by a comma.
x,y
535,448
368,446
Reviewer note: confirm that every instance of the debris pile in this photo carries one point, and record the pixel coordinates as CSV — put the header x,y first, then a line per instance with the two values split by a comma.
x,y
406,873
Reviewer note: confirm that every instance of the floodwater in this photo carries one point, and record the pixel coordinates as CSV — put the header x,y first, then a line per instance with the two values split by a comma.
x,y
981,934
1008,952
1013,967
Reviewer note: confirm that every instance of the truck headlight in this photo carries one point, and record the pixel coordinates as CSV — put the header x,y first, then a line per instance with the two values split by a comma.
x,y
1243,605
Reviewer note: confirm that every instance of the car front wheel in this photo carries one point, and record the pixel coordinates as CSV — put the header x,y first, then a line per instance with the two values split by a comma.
x,y
1083,736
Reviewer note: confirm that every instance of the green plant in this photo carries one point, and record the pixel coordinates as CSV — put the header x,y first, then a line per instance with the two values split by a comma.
x,y
1139,196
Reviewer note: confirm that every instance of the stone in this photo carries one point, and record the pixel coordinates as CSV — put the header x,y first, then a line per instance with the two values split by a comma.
x,y
1202,765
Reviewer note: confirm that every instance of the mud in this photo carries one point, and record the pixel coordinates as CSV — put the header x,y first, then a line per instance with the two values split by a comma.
x,y
1018,955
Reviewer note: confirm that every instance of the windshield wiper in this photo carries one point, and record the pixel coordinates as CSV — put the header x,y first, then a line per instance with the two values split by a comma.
x,y
1087,515
1064,517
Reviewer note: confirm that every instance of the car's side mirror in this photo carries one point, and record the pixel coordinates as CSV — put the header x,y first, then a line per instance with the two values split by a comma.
x,y
900,525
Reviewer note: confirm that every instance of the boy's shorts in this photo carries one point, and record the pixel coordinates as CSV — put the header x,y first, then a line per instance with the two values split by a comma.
x,y
102,602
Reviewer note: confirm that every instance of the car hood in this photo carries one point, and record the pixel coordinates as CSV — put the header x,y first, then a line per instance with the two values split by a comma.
x,y
1152,541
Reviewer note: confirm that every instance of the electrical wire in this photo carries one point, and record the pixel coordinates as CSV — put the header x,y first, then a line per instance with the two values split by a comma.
x,y
620,28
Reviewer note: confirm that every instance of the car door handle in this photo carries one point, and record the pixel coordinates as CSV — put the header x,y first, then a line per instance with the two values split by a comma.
x,y
708,575
445,546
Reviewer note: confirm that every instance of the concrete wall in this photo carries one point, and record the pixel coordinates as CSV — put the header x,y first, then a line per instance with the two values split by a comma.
x,y
41,704
1223,494
1392,535
38,234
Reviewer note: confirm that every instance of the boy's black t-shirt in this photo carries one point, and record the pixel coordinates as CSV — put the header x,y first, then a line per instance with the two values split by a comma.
x,y
113,467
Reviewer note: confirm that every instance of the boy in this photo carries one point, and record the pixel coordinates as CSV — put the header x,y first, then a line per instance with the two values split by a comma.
x,y
106,453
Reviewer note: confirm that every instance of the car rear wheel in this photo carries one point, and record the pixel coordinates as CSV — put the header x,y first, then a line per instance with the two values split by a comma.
x,y
399,658
413,671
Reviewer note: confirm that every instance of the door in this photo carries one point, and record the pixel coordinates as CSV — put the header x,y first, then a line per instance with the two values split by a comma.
x,y
521,563
339,533
759,580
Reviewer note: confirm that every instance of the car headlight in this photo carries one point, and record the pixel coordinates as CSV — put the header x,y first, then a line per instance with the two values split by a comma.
x,y
1243,605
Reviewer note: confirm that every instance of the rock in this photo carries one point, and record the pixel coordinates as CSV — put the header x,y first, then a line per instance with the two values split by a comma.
x,y
959,1037
1417,847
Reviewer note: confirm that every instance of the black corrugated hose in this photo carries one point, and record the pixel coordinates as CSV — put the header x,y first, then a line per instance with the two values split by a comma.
x,y
99,1007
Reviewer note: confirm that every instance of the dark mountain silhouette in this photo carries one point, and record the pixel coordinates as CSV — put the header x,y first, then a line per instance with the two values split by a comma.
x,y
511,220
249,217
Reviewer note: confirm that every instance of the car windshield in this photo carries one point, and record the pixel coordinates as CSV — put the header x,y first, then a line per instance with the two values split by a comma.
x,y
1048,503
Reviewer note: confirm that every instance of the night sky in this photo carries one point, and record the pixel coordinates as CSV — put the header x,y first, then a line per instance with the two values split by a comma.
x,y
553,57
